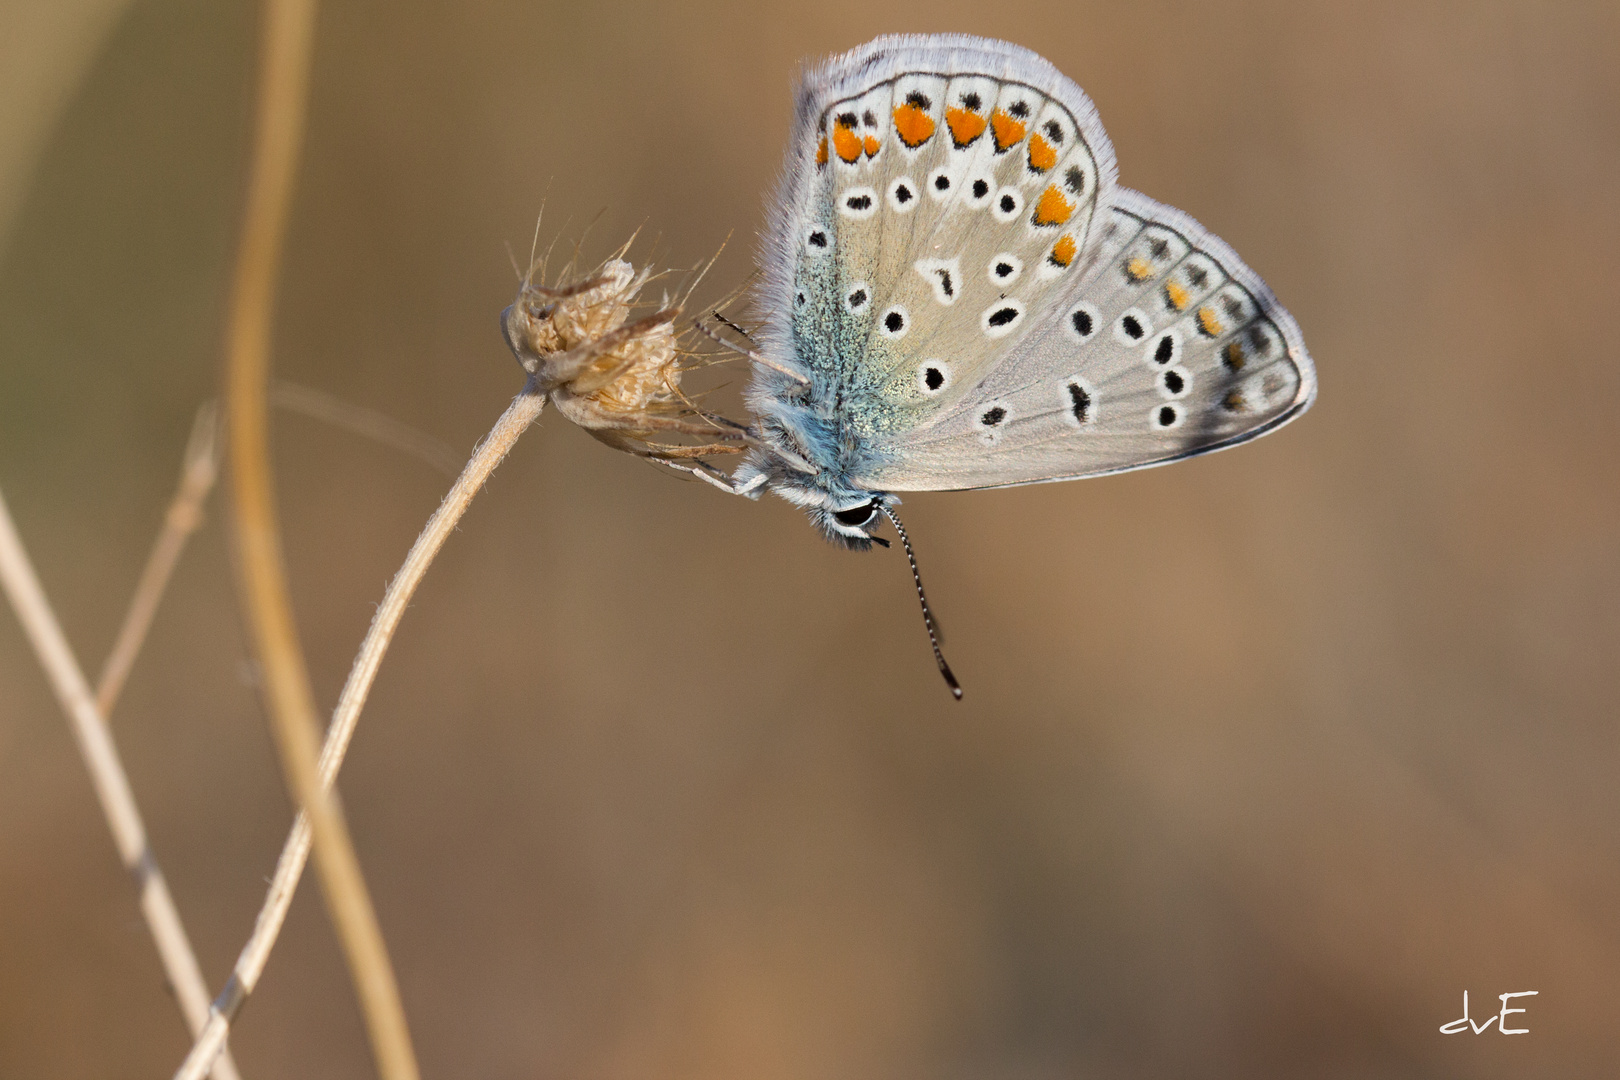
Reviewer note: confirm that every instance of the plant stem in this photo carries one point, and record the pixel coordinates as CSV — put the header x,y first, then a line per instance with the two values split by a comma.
x,y
289,28
197,476
111,783
250,964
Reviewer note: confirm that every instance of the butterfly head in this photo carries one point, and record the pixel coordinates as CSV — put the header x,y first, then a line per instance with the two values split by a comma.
x,y
853,525
849,518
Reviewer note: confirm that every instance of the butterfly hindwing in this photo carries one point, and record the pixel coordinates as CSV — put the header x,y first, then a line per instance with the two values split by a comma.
x,y
1168,347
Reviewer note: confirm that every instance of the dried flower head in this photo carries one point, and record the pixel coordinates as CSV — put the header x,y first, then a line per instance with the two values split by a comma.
x,y
614,376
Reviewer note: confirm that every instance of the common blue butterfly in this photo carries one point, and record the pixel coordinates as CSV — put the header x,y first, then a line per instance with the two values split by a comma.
x,y
956,294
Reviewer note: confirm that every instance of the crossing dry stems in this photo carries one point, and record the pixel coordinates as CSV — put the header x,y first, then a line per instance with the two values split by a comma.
x,y
111,782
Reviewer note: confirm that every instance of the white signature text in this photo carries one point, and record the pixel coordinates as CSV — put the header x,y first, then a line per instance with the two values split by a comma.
x,y
1500,1019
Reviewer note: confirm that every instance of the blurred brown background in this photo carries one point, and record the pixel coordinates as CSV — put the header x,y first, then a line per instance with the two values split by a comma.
x,y
1265,758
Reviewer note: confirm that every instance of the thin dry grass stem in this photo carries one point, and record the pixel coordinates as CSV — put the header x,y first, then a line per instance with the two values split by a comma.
x,y
197,475
288,35
319,405
582,325
111,782
250,964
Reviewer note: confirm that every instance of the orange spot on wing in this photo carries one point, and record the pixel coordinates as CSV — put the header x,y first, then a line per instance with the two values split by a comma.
x,y
821,152
1063,251
965,126
847,145
1052,208
914,126
1208,321
1176,294
872,145
1007,130
1234,356
1139,269
1042,156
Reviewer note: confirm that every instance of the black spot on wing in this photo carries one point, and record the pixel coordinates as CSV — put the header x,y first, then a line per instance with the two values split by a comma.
x,y
1079,403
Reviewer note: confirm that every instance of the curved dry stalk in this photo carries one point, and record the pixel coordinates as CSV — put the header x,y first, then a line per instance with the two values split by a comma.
x,y
197,475
289,27
319,405
111,782
250,964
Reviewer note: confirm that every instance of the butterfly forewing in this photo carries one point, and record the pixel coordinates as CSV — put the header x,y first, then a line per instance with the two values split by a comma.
x,y
950,189
1169,347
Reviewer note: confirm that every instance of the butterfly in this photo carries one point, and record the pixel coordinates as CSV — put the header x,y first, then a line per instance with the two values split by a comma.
x,y
958,295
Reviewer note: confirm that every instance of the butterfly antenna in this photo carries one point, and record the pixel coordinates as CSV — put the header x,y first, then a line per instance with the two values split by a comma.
x,y
922,598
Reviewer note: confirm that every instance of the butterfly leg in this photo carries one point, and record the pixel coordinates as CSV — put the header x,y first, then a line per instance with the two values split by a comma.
x,y
704,471
750,353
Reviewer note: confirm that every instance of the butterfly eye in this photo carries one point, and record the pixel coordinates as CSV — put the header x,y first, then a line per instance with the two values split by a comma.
x,y
856,516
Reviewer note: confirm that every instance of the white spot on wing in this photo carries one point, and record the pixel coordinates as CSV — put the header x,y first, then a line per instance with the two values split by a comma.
x,y
1004,268
818,239
857,203
1082,329
1008,204
990,419
1166,417
1002,317
895,322
1129,320
1083,412
936,371
1173,383
944,276
858,298
903,195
